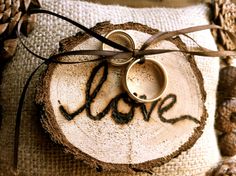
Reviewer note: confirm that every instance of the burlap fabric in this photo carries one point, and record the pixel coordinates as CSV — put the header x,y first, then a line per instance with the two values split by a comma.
x,y
38,155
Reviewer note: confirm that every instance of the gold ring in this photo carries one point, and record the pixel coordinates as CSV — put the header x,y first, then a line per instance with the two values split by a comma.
x,y
122,38
145,81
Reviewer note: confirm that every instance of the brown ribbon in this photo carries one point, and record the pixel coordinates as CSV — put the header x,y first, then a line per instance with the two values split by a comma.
x,y
123,53
128,52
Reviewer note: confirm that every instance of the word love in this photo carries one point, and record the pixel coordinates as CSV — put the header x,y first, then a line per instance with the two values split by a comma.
x,y
164,104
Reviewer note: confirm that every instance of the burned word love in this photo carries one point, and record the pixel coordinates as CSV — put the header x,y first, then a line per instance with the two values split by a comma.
x,y
164,104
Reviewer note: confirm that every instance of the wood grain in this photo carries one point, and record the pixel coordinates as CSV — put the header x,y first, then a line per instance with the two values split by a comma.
x,y
175,124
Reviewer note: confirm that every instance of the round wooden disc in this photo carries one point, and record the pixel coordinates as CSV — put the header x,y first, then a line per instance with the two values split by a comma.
x,y
86,109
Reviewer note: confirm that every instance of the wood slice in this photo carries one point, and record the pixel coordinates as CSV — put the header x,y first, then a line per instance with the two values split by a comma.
x,y
102,125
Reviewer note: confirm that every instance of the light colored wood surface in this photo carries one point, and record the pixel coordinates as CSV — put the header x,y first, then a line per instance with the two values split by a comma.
x,y
153,3
149,3
138,142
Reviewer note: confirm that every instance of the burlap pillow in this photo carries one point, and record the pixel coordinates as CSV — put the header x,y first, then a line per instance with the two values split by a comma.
x,y
38,155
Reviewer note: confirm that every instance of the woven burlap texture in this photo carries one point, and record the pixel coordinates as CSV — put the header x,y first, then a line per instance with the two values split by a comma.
x,y
38,155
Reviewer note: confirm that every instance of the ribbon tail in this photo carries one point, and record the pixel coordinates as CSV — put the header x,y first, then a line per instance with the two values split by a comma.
x,y
169,34
18,119
87,30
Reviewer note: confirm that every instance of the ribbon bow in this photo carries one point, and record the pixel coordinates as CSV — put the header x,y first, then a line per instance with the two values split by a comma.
x,y
123,52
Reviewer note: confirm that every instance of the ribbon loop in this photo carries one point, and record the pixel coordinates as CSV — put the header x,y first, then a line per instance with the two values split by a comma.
x,y
123,52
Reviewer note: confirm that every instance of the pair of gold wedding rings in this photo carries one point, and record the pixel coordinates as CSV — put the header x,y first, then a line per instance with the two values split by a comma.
x,y
144,81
